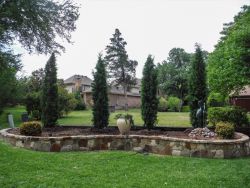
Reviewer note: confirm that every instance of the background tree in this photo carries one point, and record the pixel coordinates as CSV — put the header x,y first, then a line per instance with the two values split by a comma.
x,y
35,24
9,66
228,64
121,70
197,84
149,101
50,111
66,101
100,107
173,74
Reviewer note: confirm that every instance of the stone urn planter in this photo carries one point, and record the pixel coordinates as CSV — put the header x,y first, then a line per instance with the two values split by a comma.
x,y
124,123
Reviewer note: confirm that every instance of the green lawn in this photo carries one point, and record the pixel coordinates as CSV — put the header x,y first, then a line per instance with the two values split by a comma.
x,y
180,119
16,111
23,168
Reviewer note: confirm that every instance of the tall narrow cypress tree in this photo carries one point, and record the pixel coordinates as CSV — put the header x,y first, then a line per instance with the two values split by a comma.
x,y
100,108
149,101
197,85
50,94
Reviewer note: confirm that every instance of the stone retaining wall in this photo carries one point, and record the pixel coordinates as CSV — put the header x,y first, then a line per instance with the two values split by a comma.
x,y
153,144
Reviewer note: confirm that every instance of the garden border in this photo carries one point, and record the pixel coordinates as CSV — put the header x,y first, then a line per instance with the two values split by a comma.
x,y
140,143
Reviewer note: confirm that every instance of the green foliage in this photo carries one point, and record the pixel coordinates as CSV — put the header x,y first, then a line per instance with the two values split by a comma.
x,y
174,104
80,105
66,101
228,65
216,100
163,105
32,128
9,65
50,110
197,84
35,81
232,114
127,117
173,73
185,109
33,104
35,24
149,100
100,107
225,130
121,70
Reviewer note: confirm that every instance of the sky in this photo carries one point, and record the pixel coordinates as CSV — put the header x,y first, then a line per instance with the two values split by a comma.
x,y
148,26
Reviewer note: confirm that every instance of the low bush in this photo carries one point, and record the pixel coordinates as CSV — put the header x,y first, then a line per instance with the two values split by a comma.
x,y
185,109
162,106
174,104
32,128
216,100
232,114
225,130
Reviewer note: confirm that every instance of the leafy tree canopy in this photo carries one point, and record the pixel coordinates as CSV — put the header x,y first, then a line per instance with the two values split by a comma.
x,y
229,64
36,23
173,73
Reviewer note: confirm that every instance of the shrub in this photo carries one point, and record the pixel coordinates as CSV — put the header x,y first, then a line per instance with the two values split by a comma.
x,y
80,105
185,109
216,100
32,128
225,130
232,114
162,106
174,104
36,115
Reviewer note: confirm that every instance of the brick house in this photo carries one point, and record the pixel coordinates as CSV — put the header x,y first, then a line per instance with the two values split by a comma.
x,y
115,94
241,99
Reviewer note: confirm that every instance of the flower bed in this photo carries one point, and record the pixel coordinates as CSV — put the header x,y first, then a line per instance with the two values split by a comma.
x,y
163,145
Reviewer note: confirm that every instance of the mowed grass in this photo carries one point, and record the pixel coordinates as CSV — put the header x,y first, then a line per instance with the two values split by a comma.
x,y
24,168
173,119
179,119
16,112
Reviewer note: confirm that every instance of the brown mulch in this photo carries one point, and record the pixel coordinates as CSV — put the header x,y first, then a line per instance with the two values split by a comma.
x,y
76,131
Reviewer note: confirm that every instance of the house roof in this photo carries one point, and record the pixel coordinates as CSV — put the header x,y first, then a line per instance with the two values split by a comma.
x,y
83,80
243,92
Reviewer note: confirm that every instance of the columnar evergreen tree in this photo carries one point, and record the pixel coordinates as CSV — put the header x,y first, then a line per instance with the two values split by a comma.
x,y
149,101
50,111
197,85
121,70
100,108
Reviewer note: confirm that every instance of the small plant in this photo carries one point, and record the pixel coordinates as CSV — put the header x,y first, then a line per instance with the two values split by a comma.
x,y
185,109
225,130
163,105
235,115
174,104
32,128
128,118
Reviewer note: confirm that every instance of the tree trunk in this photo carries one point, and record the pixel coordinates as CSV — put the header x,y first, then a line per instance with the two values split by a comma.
x,y
126,97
